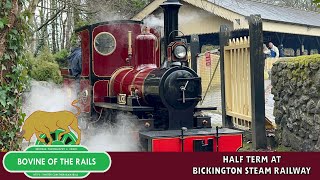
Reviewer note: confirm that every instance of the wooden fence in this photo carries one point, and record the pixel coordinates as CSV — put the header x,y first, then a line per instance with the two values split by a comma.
x,y
237,81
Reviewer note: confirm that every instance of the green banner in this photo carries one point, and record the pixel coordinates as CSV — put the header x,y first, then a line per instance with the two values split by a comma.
x,y
56,161
56,174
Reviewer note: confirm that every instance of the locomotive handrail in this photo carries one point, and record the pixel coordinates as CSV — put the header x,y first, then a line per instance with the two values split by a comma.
x,y
190,99
175,31
189,79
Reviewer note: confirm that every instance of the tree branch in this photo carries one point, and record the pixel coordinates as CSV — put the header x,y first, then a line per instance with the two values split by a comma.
x,y
51,19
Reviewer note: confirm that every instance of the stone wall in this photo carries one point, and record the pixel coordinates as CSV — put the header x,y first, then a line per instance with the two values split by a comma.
x,y
296,90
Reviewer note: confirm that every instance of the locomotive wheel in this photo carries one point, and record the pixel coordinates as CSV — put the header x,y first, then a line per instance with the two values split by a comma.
x,y
67,139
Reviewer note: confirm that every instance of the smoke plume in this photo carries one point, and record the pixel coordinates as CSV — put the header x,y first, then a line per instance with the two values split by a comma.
x,y
50,97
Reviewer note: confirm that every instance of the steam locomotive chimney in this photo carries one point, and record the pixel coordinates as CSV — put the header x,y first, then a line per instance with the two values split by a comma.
x,y
171,12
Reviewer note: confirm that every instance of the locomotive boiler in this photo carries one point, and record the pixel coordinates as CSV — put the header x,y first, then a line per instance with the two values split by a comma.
x,y
121,71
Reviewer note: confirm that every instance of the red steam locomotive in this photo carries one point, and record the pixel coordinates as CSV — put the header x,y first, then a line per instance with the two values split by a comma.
x,y
121,72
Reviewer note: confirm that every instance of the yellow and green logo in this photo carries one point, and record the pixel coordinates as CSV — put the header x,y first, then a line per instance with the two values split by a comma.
x,y
59,161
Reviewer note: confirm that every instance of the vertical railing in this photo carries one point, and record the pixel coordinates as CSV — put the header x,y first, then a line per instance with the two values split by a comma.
x,y
242,81
237,81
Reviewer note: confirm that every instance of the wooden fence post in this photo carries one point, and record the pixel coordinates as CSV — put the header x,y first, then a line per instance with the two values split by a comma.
x,y
259,138
224,37
195,50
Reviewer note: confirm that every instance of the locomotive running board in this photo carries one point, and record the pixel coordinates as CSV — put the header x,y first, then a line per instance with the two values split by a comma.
x,y
205,108
124,107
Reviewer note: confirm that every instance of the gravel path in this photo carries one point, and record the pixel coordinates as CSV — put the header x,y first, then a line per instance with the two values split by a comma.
x,y
213,98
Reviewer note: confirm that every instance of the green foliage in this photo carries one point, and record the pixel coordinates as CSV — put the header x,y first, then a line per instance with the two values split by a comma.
x,y
13,75
301,64
46,55
305,60
138,4
317,2
44,67
61,58
46,71
75,41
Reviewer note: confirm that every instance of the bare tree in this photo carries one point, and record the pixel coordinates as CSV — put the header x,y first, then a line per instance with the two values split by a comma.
x,y
53,21
299,4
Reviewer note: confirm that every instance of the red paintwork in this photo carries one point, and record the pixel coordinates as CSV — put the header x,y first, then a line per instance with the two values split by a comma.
x,y
104,66
85,50
227,143
85,85
145,45
124,79
100,90
116,81
157,34
127,81
64,72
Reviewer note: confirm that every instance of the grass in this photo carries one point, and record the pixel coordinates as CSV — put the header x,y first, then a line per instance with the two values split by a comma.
x,y
247,147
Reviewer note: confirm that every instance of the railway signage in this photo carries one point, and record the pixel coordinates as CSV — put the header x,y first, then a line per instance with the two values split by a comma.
x,y
67,161
208,58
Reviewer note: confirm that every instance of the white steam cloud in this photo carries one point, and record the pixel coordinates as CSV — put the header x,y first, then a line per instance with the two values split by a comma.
x,y
121,136
154,21
49,97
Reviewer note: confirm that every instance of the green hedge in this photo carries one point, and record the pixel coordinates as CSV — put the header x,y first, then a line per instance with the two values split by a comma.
x,y
61,58
45,67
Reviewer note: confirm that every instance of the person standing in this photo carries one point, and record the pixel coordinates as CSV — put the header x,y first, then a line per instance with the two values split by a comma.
x,y
266,51
274,51
281,51
75,62
75,66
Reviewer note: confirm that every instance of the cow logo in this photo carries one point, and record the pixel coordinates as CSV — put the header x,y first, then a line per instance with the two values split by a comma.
x,y
52,127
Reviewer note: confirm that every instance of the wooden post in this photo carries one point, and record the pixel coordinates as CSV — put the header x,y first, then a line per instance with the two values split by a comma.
x,y
195,50
259,138
301,46
224,37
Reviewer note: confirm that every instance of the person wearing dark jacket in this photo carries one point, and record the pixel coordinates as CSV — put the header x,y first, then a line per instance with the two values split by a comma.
x,y
75,62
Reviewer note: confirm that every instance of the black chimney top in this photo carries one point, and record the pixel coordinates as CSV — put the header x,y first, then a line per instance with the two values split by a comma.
x,y
174,2
171,12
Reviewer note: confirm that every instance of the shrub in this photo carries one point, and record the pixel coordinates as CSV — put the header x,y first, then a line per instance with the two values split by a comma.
x,y
46,55
61,58
46,71
44,67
